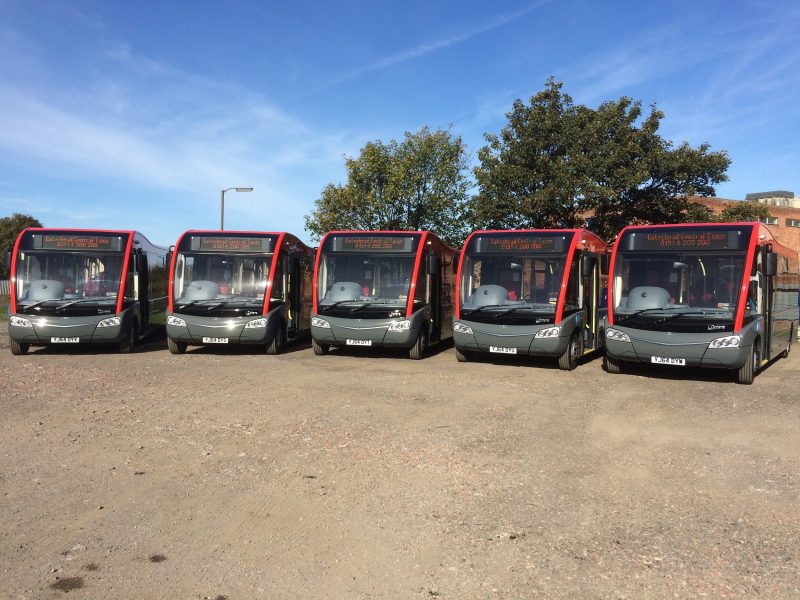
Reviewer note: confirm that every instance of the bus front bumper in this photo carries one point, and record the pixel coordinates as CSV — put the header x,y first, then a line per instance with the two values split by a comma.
x,y
197,331
514,339
386,333
43,331
692,350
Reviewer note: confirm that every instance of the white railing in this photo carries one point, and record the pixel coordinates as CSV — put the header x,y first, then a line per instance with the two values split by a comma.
x,y
5,287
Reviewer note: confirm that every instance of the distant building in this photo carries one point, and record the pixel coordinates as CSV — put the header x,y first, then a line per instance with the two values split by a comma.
x,y
784,211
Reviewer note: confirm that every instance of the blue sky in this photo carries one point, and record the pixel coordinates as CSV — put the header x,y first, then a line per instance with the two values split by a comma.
x,y
136,115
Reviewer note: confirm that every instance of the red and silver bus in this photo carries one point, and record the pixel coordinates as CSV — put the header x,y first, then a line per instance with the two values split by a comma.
x,y
720,295
72,286
535,292
238,287
382,288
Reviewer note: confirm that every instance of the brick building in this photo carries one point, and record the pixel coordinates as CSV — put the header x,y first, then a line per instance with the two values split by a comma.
x,y
784,210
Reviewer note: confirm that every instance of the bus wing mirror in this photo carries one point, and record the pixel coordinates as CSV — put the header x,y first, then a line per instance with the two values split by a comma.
x,y
432,263
605,261
294,265
588,263
455,263
168,259
771,264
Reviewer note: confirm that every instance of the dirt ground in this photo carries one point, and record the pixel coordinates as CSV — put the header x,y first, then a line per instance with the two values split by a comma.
x,y
228,474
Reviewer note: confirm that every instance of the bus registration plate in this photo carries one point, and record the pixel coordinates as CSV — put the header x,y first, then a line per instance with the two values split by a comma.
x,y
502,350
359,342
213,340
64,340
663,360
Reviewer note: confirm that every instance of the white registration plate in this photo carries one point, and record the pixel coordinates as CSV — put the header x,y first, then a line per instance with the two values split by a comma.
x,y
359,342
663,360
212,340
502,350
64,340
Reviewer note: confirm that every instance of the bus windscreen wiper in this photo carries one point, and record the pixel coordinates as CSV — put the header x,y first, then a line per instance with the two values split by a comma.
x,y
78,301
35,304
512,310
641,312
334,304
689,313
366,304
480,308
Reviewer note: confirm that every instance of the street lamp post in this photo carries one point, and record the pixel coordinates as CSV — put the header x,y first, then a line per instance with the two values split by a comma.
x,y
222,203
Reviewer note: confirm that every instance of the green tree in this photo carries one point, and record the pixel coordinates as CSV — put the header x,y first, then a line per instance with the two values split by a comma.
x,y
418,183
10,227
744,211
558,164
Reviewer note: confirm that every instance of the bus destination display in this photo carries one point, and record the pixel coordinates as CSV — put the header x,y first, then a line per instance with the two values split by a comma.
x,y
77,242
697,240
519,243
232,244
376,243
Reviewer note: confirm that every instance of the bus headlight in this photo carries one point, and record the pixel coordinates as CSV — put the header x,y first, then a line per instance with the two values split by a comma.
x,y
550,332
459,327
617,335
731,341
404,325
110,322
317,322
256,323
176,321
19,322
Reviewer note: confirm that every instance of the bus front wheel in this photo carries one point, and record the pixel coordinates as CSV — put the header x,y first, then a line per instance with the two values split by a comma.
x,y
569,360
18,349
612,365
463,355
320,349
176,347
127,344
418,349
279,341
748,370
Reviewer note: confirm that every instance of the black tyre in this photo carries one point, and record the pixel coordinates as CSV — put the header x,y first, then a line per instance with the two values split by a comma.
x,y
747,371
420,346
278,341
176,347
320,349
127,345
569,360
18,349
463,355
612,365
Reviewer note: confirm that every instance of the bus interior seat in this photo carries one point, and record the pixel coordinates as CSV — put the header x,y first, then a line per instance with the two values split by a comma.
x,y
344,291
646,297
486,295
46,289
201,290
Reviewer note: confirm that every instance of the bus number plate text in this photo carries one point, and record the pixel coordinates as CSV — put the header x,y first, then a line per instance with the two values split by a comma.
x,y
502,350
64,340
359,342
213,340
663,360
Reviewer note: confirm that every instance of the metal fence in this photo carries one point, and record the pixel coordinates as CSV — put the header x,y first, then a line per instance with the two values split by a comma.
x,y
5,287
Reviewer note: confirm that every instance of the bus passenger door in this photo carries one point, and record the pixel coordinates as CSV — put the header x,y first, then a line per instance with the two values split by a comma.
x,y
590,284
433,265
294,280
143,272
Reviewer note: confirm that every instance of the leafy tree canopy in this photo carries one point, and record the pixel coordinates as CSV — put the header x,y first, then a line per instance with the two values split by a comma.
x,y
558,164
744,211
418,183
10,227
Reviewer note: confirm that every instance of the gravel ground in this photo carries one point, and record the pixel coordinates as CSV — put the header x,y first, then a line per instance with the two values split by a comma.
x,y
233,474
